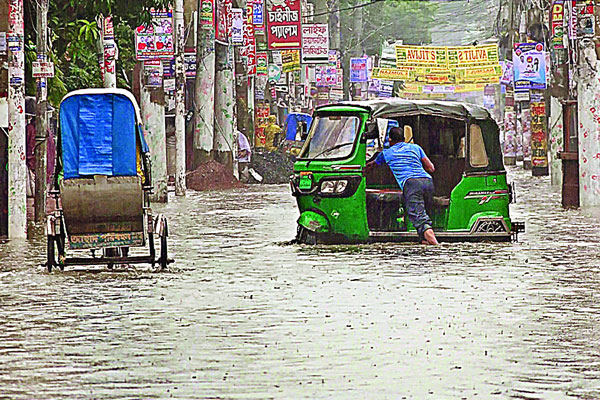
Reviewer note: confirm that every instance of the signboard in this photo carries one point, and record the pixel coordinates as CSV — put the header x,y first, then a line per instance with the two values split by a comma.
x,y
326,75
539,144
274,73
529,67
472,56
3,43
315,44
190,63
521,95
358,70
221,29
42,69
153,71
277,57
155,41
249,42
291,60
417,56
262,64
556,24
207,19
237,26
258,14
284,24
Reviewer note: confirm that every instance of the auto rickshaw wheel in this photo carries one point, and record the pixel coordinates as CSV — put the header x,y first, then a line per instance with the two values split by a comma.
x,y
163,253
306,236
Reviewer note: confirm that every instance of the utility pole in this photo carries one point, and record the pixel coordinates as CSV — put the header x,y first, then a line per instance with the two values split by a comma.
x,y
180,184
110,51
41,115
224,107
17,168
204,100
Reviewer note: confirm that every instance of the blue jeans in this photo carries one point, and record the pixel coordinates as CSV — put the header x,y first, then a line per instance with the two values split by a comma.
x,y
418,196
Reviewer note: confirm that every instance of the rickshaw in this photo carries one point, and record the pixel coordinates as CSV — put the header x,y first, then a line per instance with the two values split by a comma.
x,y
296,128
102,184
340,202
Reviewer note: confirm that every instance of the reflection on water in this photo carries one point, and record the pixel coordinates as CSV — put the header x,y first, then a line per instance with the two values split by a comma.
x,y
243,315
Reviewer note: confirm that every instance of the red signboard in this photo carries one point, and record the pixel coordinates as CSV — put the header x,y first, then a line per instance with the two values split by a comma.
x,y
249,41
284,24
221,21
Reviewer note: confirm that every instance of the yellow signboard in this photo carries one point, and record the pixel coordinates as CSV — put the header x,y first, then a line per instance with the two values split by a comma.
x,y
394,74
418,56
472,56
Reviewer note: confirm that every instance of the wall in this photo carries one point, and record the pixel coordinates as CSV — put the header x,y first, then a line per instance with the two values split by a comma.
x,y
556,141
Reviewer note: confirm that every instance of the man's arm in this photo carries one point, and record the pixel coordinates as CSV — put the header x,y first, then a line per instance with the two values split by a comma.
x,y
377,161
428,165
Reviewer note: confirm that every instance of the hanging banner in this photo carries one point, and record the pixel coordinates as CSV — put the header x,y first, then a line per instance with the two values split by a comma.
x,y
258,15
291,60
358,70
207,15
539,144
529,67
284,24
221,21
472,56
417,56
315,44
556,24
249,42
155,41
237,26
262,63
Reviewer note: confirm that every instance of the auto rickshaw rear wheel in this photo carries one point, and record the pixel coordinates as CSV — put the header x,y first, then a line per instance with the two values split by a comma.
x,y
306,236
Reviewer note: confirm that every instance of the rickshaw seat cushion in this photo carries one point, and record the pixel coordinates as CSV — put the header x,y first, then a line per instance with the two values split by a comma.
x,y
98,135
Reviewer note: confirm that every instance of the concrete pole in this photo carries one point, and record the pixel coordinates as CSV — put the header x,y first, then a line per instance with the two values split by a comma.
x,y
180,185
224,106
153,117
251,112
111,53
17,168
41,118
205,94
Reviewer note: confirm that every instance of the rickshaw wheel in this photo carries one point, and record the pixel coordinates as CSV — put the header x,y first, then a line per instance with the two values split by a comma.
x,y
306,236
163,252
50,253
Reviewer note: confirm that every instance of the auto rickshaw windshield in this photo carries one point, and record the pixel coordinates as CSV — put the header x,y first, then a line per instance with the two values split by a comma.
x,y
331,137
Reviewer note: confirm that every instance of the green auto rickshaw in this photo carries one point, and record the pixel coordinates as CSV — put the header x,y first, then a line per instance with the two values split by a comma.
x,y
340,202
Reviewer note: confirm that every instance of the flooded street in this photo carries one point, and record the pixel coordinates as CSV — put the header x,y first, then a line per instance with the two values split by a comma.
x,y
244,315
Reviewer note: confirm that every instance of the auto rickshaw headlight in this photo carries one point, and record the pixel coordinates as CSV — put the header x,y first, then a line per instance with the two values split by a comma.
x,y
334,186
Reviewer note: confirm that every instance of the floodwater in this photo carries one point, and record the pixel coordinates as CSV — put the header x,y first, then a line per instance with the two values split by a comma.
x,y
244,315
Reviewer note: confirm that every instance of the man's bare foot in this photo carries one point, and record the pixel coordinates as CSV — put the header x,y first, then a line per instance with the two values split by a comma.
x,y
430,237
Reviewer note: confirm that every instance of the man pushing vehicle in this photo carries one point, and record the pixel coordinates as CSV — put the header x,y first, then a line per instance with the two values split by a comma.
x,y
410,166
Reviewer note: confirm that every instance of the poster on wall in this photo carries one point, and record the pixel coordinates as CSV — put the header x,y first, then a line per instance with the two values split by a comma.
x,y
529,66
155,41
284,24
237,26
207,16
358,70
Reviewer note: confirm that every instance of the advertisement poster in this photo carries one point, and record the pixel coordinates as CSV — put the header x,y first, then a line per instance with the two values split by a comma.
x,y
529,67
291,60
507,73
258,15
153,70
274,73
472,56
262,64
418,56
586,22
284,24
155,41
249,42
315,44
510,149
221,29
237,26
556,24
190,63
326,75
207,8
539,144
358,70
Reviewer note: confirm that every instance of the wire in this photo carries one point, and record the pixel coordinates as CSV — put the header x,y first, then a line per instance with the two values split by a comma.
x,y
349,8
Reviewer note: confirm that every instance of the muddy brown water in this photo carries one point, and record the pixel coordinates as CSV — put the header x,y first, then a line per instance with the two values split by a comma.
x,y
243,315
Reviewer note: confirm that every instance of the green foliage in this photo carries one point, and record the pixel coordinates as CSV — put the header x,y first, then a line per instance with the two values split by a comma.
x,y
73,36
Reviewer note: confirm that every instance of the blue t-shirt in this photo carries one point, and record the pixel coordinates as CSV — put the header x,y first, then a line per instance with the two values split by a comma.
x,y
404,159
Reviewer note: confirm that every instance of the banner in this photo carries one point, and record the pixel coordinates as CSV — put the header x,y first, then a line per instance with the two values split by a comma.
x,y
315,44
262,63
326,75
539,144
472,56
507,73
358,70
221,30
155,41
529,67
258,15
557,24
207,16
284,24
417,56
249,42
395,74
291,60
237,26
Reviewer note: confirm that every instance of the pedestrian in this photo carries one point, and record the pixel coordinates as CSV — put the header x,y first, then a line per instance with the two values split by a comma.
x,y
272,134
244,156
410,166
